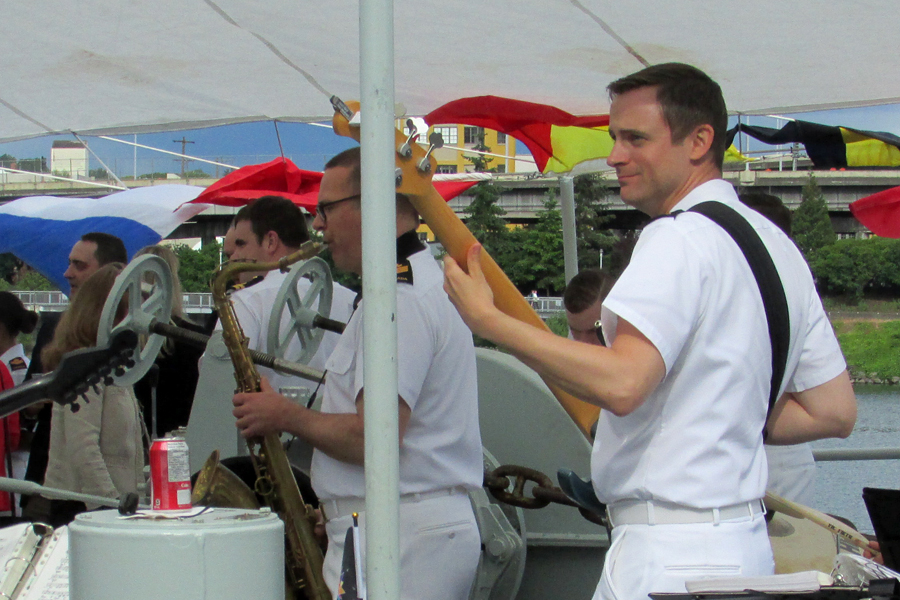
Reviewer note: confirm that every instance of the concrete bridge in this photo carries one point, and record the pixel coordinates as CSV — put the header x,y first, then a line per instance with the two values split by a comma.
x,y
522,198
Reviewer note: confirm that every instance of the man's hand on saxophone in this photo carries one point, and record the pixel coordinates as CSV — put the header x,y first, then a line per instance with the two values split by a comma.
x,y
339,435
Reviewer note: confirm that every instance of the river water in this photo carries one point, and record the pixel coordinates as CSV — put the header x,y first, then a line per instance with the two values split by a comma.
x,y
839,484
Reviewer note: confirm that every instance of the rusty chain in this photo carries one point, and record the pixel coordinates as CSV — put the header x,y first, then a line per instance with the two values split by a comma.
x,y
542,493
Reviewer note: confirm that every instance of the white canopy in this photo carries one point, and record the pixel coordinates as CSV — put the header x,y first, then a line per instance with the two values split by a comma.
x,y
117,66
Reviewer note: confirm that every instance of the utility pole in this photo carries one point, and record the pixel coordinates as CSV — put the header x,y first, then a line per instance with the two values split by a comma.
x,y
184,142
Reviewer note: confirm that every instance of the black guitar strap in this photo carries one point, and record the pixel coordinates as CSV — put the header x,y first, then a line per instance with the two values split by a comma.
x,y
770,286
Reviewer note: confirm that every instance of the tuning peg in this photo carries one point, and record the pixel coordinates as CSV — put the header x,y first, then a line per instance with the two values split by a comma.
x,y
340,107
436,140
405,150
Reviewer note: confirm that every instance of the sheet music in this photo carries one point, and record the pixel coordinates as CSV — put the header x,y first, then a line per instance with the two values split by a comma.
x,y
19,553
51,574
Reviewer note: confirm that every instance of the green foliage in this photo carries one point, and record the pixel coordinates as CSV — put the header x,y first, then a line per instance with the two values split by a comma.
x,y
811,225
7,160
34,165
851,268
99,174
871,347
196,174
480,161
485,219
8,265
155,175
34,281
558,324
197,266
537,261
592,219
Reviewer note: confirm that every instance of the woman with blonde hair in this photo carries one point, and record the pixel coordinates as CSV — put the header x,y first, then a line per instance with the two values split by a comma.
x,y
99,449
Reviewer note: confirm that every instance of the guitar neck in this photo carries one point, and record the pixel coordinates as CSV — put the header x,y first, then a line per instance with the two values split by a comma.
x,y
23,396
457,239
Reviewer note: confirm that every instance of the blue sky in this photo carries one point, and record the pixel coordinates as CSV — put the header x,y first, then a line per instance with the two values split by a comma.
x,y
310,146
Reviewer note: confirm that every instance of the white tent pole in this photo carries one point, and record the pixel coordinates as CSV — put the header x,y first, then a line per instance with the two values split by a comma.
x,y
570,242
379,251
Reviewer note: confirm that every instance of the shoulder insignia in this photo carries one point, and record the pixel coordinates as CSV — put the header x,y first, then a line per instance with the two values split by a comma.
x,y
404,272
17,364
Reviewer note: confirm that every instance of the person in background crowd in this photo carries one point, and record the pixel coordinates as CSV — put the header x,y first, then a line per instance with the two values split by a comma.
x,y
9,441
792,469
583,299
99,449
91,252
15,320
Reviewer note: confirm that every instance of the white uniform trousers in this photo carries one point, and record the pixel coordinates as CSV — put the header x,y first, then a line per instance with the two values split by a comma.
x,y
660,558
439,548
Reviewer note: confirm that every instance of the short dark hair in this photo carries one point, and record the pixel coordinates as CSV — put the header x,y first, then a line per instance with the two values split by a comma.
x,y
768,206
110,249
586,288
688,97
14,316
274,213
352,158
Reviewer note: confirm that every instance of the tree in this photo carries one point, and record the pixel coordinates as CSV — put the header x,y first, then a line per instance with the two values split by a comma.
x,y
99,173
537,263
480,161
196,174
811,225
34,165
7,160
8,266
196,267
33,281
591,220
485,219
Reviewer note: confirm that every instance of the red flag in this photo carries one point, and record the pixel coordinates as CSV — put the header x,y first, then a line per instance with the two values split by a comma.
x,y
281,177
558,140
880,212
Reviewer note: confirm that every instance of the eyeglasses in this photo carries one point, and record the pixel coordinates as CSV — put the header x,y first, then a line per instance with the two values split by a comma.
x,y
322,207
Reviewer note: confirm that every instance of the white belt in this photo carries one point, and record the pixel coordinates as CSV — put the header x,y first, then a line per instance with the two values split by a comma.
x,y
641,512
335,508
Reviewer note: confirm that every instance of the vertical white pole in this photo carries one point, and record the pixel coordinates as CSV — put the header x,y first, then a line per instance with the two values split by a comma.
x,y
570,241
135,157
382,453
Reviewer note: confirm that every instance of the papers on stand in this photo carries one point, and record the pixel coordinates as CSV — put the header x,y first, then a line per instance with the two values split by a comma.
x,y
35,560
805,581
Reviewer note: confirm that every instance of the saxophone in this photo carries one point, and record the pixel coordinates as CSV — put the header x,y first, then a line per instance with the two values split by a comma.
x,y
275,480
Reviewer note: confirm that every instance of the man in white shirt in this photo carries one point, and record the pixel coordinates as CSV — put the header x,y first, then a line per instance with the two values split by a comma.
x,y
440,441
267,230
678,455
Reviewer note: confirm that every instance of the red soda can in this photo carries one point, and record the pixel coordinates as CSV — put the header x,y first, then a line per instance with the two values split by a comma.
x,y
170,474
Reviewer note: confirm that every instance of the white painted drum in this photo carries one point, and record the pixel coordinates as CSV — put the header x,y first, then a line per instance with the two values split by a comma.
x,y
219,555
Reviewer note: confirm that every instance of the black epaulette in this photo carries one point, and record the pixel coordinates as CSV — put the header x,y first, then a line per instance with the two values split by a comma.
x,y
17,364
404,272
242,286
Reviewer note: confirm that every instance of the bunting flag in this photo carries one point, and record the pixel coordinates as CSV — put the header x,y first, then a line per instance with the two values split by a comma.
x,y
557,140
281,177
829,146
41,230
880,212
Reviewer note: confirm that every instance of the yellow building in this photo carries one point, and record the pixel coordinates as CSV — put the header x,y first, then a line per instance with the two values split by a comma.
x,y
458,141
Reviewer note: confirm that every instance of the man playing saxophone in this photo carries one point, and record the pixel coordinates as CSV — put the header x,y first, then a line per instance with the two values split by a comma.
x,y
440,442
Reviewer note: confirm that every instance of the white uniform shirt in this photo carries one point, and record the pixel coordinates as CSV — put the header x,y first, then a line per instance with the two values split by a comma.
x,y
253,308
697,439
17,363
442,444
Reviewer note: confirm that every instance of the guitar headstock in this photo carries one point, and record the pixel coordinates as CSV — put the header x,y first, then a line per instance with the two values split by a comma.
x,y
415,165
80,370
